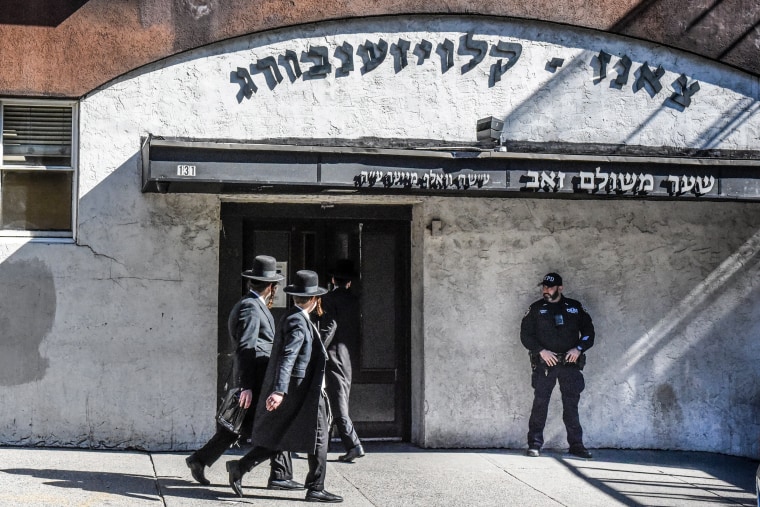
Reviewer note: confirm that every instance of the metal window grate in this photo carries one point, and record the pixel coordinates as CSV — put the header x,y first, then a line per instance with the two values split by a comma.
x,y
37,135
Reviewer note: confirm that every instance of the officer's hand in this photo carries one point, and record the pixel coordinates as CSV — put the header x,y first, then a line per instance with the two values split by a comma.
x,y
246,397
549,357
572,355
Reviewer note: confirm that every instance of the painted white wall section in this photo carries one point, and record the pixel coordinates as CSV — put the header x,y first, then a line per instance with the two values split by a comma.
x,y
672,288
112,342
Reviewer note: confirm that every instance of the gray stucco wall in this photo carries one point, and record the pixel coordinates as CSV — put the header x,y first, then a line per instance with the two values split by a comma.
x,y
672,288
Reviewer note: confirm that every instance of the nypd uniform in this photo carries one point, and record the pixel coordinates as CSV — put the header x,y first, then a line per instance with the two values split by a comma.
x,y
557,327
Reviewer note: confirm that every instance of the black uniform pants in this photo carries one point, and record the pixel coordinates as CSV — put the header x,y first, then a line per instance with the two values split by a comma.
x,y
315,479
571,384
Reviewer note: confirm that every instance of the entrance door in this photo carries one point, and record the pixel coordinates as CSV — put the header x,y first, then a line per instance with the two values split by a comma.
x,y
312,237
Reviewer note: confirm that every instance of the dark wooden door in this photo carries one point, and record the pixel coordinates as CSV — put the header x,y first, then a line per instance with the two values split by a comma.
x,y
315,237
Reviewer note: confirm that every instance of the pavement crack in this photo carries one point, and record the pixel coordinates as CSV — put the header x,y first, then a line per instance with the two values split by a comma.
x,y
543,493
156,481
358,490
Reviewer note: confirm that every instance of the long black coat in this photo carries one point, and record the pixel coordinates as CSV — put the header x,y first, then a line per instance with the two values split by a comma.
x,y
342,307
297,368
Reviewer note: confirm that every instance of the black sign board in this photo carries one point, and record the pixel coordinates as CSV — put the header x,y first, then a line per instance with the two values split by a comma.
x,y
217,167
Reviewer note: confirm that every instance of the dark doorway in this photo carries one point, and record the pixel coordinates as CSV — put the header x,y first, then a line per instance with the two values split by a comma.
x,y
377,240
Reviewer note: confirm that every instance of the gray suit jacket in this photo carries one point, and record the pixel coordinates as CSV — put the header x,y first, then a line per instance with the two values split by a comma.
x,y
251,329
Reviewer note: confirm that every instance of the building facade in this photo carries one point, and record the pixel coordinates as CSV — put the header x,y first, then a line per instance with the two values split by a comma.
x,y
456,158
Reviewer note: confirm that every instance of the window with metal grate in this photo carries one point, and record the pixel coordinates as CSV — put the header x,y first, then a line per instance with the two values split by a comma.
x,y
37,174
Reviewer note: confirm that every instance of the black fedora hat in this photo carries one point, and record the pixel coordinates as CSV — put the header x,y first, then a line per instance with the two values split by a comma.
x,y
344,268
264,270
305,283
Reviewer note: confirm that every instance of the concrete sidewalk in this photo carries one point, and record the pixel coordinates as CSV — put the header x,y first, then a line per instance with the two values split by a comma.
x,y
390,475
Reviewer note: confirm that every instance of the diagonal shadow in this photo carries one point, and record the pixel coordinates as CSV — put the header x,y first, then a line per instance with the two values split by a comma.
x,y
143,487
644,488
38,12
645,15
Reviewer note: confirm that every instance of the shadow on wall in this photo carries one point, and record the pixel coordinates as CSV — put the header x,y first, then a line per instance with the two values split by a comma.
x,y
38,12
28,302
718,22
670,94
75,318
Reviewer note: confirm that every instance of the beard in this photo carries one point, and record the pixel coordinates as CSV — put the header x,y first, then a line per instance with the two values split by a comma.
x,y
551,297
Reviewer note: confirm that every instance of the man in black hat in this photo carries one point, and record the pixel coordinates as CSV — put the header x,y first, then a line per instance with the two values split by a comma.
x,y
292,411
341,307
557,331
251,329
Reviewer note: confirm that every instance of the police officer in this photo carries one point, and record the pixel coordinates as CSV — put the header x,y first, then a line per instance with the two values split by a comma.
x,y
557,331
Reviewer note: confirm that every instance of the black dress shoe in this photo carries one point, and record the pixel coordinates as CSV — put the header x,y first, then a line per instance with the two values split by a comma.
x,y
286,484
236,477
351,455
581,452
322,496
196,470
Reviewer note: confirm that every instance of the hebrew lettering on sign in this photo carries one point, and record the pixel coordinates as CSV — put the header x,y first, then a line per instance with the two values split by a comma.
x,y
622,77
290,56
465,181
615,182
698,185
248,87
555,63
425,49
321,69
646,76
270,64
509,50
604,59
446,50
548,182
480,47
684,98
373,54
400,50
429,180
346,54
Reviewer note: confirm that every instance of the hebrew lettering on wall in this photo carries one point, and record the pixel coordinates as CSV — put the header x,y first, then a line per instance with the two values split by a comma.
x,y
647,79
503,56
373,54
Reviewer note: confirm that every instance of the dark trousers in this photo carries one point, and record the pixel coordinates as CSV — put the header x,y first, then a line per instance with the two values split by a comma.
x,y
571,384
281,464
338,390
315,479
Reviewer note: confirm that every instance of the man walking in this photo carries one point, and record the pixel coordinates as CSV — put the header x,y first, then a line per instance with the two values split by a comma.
x,y
251,329
342,307
557,331
292,411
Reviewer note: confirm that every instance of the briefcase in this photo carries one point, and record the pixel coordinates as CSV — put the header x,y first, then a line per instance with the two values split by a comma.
x,y
230,415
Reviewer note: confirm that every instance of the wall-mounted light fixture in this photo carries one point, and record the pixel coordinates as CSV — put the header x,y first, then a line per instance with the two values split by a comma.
x,y
489,131
436,227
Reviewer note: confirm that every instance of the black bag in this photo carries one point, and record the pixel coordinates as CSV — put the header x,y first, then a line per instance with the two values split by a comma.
x,y
230,415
